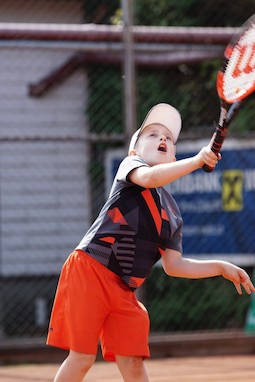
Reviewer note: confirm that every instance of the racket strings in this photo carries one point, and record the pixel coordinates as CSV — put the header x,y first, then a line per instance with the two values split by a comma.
x,y
238,75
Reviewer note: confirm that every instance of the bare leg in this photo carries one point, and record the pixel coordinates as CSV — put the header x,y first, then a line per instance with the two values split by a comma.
x,y
75,367
132,369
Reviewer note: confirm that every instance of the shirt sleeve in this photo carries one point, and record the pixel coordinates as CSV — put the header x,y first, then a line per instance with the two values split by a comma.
x,y
175,224
127,165
176,240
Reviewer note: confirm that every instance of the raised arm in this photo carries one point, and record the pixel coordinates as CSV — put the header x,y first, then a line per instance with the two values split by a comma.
x,y
161,174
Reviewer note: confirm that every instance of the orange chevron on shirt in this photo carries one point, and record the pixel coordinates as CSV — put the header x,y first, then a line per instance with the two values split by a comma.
x,y
153,209
117,216
164,214
108,239
135,282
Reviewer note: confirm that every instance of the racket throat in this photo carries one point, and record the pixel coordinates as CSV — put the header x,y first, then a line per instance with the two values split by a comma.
x,y
223,115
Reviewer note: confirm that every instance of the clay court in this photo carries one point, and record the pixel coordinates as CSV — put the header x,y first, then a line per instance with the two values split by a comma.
x,y
204,357
189,369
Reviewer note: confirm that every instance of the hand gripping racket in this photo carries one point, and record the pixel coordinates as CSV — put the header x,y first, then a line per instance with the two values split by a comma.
x,y
235,81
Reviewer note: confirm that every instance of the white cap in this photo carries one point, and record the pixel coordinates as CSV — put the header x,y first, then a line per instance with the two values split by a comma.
x,y
162,114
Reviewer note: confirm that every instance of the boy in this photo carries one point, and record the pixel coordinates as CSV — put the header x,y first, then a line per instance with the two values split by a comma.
x,y
139,224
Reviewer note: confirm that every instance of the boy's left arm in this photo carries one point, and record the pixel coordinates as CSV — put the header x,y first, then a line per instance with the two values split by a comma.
x,y
177,266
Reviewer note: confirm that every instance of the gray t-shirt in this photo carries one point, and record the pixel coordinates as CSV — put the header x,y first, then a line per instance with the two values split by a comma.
x,y
134,227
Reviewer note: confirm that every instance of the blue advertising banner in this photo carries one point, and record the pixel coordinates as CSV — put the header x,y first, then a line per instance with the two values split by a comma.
x,y
218,208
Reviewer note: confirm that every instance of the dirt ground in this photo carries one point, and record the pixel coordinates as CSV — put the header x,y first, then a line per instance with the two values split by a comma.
x,y
190,369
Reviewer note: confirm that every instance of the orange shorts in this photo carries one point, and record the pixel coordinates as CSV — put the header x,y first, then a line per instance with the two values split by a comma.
x,y
93,303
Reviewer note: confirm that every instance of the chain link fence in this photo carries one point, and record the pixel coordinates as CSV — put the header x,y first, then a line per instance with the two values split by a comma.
x,y
62,134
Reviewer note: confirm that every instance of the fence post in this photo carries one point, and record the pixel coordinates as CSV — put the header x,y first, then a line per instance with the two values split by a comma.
x,y
1,273
129,70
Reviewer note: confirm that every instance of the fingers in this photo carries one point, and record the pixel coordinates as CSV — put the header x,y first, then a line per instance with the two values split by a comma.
x,y
238,288
248,286
209,158
249,289
238,276
246,283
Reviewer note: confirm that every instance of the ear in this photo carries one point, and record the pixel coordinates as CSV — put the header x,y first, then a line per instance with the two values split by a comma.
x,y
174,153
132,152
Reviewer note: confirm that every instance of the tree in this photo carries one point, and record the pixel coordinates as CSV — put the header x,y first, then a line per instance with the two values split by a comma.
x,y
193,12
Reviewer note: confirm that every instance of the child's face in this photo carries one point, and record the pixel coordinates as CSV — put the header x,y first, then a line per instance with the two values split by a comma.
x,y
155,145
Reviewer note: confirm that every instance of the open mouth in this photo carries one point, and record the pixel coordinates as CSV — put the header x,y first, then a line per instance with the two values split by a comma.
x,y
162,148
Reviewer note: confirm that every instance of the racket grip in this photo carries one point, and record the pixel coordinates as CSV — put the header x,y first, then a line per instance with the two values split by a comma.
x,y
217,141
207,168
221,132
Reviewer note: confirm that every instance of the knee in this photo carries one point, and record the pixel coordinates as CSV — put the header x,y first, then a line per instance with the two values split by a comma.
x,y
132,368
135,365
80,361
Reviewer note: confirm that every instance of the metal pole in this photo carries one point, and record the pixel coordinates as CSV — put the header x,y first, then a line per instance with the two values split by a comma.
x,y
129,85
129,70
1,270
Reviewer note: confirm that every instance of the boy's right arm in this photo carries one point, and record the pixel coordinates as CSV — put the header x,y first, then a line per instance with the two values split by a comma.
x,y
162,174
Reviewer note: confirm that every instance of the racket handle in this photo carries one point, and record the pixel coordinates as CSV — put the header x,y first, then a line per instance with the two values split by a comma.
x,y
207,168
221,132
217,141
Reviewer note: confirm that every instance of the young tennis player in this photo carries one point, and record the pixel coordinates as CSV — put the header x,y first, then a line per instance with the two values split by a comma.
x,y
139,224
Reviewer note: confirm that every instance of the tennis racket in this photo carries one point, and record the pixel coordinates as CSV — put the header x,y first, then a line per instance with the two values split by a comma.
x,y
235,81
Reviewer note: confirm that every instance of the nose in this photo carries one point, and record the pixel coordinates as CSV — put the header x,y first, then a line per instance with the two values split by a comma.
x,y
163,137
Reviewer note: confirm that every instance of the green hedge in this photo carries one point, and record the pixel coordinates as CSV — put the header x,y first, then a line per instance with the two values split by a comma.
x,y
176,304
